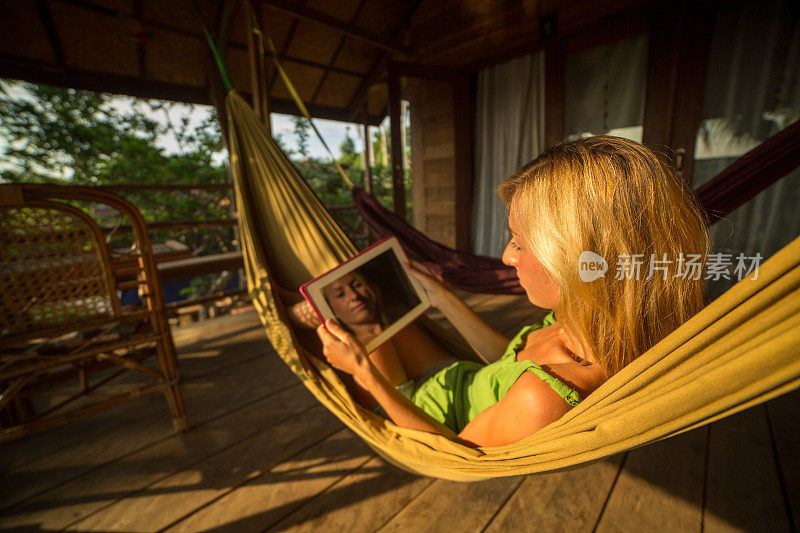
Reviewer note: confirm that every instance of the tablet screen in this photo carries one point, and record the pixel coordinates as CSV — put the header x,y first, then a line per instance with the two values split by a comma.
x,y
371,295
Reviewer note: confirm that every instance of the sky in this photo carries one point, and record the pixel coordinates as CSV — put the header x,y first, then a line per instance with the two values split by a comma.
x,y
333,131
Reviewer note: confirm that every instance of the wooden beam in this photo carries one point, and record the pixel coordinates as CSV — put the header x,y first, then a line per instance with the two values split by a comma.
x,y
186,187
300,11
141,52
554,86
367,160
398,170
354,106
258,71
463,124
52,35
223,36
92,81
691,84
134,86
662,75
282,52
151,24
198,266
336,52
428,72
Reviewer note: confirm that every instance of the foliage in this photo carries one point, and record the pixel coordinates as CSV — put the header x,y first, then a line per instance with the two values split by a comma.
x,y
57,135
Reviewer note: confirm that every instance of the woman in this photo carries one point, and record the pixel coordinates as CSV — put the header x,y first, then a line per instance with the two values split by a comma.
x,y
605,195
357,306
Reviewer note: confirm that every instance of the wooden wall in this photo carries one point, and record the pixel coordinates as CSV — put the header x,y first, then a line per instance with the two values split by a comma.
x,y
433,163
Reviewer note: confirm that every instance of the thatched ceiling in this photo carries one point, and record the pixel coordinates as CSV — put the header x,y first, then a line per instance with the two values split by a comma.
x,y
335,51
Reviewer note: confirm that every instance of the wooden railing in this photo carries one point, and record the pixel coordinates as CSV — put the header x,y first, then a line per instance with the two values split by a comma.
x,y
171,269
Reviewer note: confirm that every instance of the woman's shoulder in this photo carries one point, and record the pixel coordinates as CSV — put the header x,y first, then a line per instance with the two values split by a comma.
x,y
533,403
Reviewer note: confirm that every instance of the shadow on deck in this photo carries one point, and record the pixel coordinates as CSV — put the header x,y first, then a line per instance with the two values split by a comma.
x,y
262,455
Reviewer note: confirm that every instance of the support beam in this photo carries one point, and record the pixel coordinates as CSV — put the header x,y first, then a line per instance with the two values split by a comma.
x,y
141,51
300,11
355,104
367,160
13,68
691,85
335,55
52,36
398,170
554,86
462,123
258,71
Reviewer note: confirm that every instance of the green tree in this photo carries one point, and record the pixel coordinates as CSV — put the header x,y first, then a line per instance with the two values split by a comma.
x,y
301,128
57,135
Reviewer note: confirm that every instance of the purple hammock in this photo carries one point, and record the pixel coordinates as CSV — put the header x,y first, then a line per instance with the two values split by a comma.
x,y
747,176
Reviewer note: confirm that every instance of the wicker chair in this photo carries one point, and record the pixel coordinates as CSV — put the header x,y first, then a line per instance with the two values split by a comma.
x,y
67,345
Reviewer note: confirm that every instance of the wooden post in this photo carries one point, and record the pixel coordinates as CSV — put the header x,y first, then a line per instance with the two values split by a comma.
x,y
367,160
398,170
691,84
462,123
258,72
554,86
676,77
384,155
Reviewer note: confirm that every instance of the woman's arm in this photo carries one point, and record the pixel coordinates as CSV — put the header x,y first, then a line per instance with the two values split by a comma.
x,y
344,352
528,406
484,339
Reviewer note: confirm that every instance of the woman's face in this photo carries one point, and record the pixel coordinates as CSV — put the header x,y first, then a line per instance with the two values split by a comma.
x,y
351,299
540,287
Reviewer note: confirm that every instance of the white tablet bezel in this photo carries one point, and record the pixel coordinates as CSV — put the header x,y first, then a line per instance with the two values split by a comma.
x,y
312,290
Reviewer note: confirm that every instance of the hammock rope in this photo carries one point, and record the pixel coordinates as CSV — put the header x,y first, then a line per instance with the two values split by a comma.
x,y
739,351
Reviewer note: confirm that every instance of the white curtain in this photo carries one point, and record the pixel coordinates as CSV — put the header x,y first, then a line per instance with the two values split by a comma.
x,y
752,92
509,132
605,89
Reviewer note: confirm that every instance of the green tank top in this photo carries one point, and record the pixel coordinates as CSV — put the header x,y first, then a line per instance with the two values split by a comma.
x,y
458,393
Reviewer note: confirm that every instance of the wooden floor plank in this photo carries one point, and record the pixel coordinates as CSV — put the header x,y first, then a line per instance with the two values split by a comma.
x,y
448,504
85,495
570,500
165,502
660,487
784,414
267,499
206,398
362,501
211,355
743,492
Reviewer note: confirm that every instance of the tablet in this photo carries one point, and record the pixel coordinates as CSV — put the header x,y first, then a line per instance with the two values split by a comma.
x,y
369,293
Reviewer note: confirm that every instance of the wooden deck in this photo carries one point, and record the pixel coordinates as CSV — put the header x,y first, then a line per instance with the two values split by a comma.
x,y
262,455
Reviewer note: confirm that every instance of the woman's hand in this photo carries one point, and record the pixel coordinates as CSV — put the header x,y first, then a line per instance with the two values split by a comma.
x,y
342,350
434,288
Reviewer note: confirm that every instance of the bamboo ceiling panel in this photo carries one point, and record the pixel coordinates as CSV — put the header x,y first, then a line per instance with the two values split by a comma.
x,y
314,42
305,79
343,10
336,51
112,42
28,36
356,56
173,58
337,89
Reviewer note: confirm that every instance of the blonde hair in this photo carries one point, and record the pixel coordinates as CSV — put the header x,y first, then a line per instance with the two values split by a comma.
x,y
614,197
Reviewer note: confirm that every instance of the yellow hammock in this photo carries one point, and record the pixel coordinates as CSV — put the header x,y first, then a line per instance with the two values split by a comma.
x,y
741,350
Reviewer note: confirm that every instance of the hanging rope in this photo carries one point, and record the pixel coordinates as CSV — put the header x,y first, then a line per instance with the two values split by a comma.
x,y
223,72
300,105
